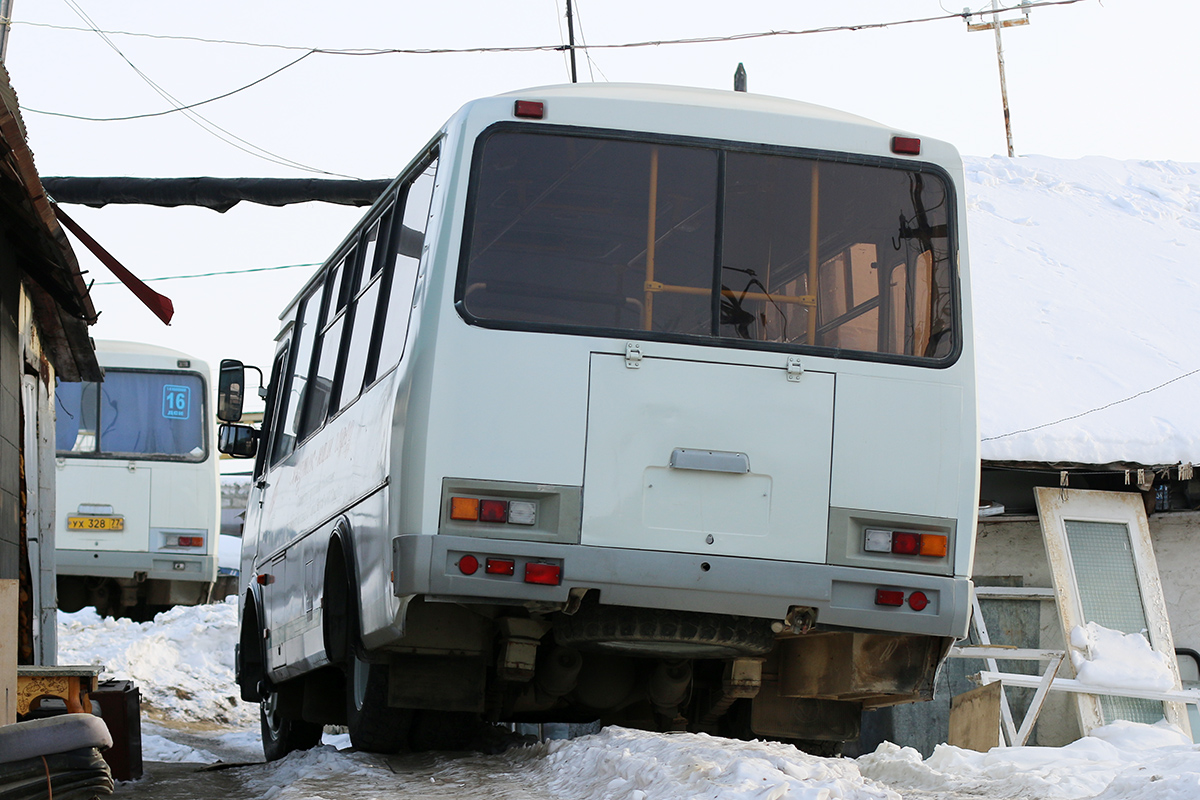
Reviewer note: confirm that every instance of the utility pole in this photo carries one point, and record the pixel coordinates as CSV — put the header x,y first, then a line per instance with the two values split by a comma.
x,y
5,25
995,25
570,40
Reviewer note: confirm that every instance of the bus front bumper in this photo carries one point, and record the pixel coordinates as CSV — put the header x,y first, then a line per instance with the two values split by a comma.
x,y
435,566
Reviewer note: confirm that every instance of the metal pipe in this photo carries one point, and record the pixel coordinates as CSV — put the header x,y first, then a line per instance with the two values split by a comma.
x,y
648,307
6,7
813,257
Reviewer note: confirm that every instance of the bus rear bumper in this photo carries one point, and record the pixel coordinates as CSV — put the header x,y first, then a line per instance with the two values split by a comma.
x,y
136,565
434,566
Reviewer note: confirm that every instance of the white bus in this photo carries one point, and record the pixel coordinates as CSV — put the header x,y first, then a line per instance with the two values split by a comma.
x,y
641,404
137,497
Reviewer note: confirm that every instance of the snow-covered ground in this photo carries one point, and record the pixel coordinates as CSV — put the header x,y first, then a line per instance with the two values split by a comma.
x,y
182,664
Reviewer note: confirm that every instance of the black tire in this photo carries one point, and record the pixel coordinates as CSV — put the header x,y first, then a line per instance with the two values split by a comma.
x,y
374,726
282,735
664,633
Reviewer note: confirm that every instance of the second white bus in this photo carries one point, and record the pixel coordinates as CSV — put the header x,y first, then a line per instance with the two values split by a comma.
x,y
136,493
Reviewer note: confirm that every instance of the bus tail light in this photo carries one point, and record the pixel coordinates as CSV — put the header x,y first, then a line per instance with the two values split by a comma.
x,y
547,574
468,565
493,511
477,509
185,541
464,508
500,566
889,597
917,601
905,543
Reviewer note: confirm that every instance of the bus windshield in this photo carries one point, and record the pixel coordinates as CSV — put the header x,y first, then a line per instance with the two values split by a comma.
x,y
133,414
765,249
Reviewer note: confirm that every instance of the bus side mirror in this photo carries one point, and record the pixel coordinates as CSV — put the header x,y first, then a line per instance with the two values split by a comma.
x,y
230,384
239,441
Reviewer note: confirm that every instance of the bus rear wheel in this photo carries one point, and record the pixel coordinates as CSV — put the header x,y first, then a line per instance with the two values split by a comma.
x,y
281,734
374,726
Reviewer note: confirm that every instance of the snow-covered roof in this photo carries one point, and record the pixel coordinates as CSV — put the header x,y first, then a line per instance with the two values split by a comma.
x,y
1086,287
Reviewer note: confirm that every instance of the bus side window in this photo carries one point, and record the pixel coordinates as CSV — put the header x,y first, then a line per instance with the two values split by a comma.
x,y
362,310
409,238
328,346
292,403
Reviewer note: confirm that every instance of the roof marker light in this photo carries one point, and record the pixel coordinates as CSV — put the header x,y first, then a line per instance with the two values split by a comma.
x,y
906,146
529,109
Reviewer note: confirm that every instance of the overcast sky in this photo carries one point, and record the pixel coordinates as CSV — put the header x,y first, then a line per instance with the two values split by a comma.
x,y
1115,79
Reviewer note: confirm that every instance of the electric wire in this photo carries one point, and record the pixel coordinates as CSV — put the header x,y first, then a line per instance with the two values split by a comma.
x,y
1091,410
212,274
172,110
612,46
203,122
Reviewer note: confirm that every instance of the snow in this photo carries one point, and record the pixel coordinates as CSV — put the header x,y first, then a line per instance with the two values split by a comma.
x,y
182,664
1085,284
1110,659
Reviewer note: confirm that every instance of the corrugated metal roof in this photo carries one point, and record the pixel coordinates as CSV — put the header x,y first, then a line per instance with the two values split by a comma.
x,y
62,307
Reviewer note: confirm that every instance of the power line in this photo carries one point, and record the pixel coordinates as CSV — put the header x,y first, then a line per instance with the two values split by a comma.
x,y
172,110
212,274
558,47
1092,410
204,123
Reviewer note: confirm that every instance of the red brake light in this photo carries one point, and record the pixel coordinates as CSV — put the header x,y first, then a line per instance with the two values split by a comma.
x,y
529,109
548,574
500,566
889,597
917,601
907,544
493,511
906,146
468,565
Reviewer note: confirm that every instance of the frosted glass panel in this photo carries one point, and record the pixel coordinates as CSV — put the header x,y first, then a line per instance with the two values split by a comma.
x,y
1106,576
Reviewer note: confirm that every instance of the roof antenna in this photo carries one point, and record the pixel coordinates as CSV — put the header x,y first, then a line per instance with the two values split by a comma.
x,y
739,78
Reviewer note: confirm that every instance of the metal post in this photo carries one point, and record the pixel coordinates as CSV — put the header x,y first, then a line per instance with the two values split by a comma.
x,y
5,24
570,41
1003,84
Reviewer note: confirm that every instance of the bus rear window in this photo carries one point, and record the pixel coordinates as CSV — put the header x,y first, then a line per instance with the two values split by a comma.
x,y
679,241
133,415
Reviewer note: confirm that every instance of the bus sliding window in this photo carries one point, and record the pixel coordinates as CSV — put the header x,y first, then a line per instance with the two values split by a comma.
x,y
406,247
